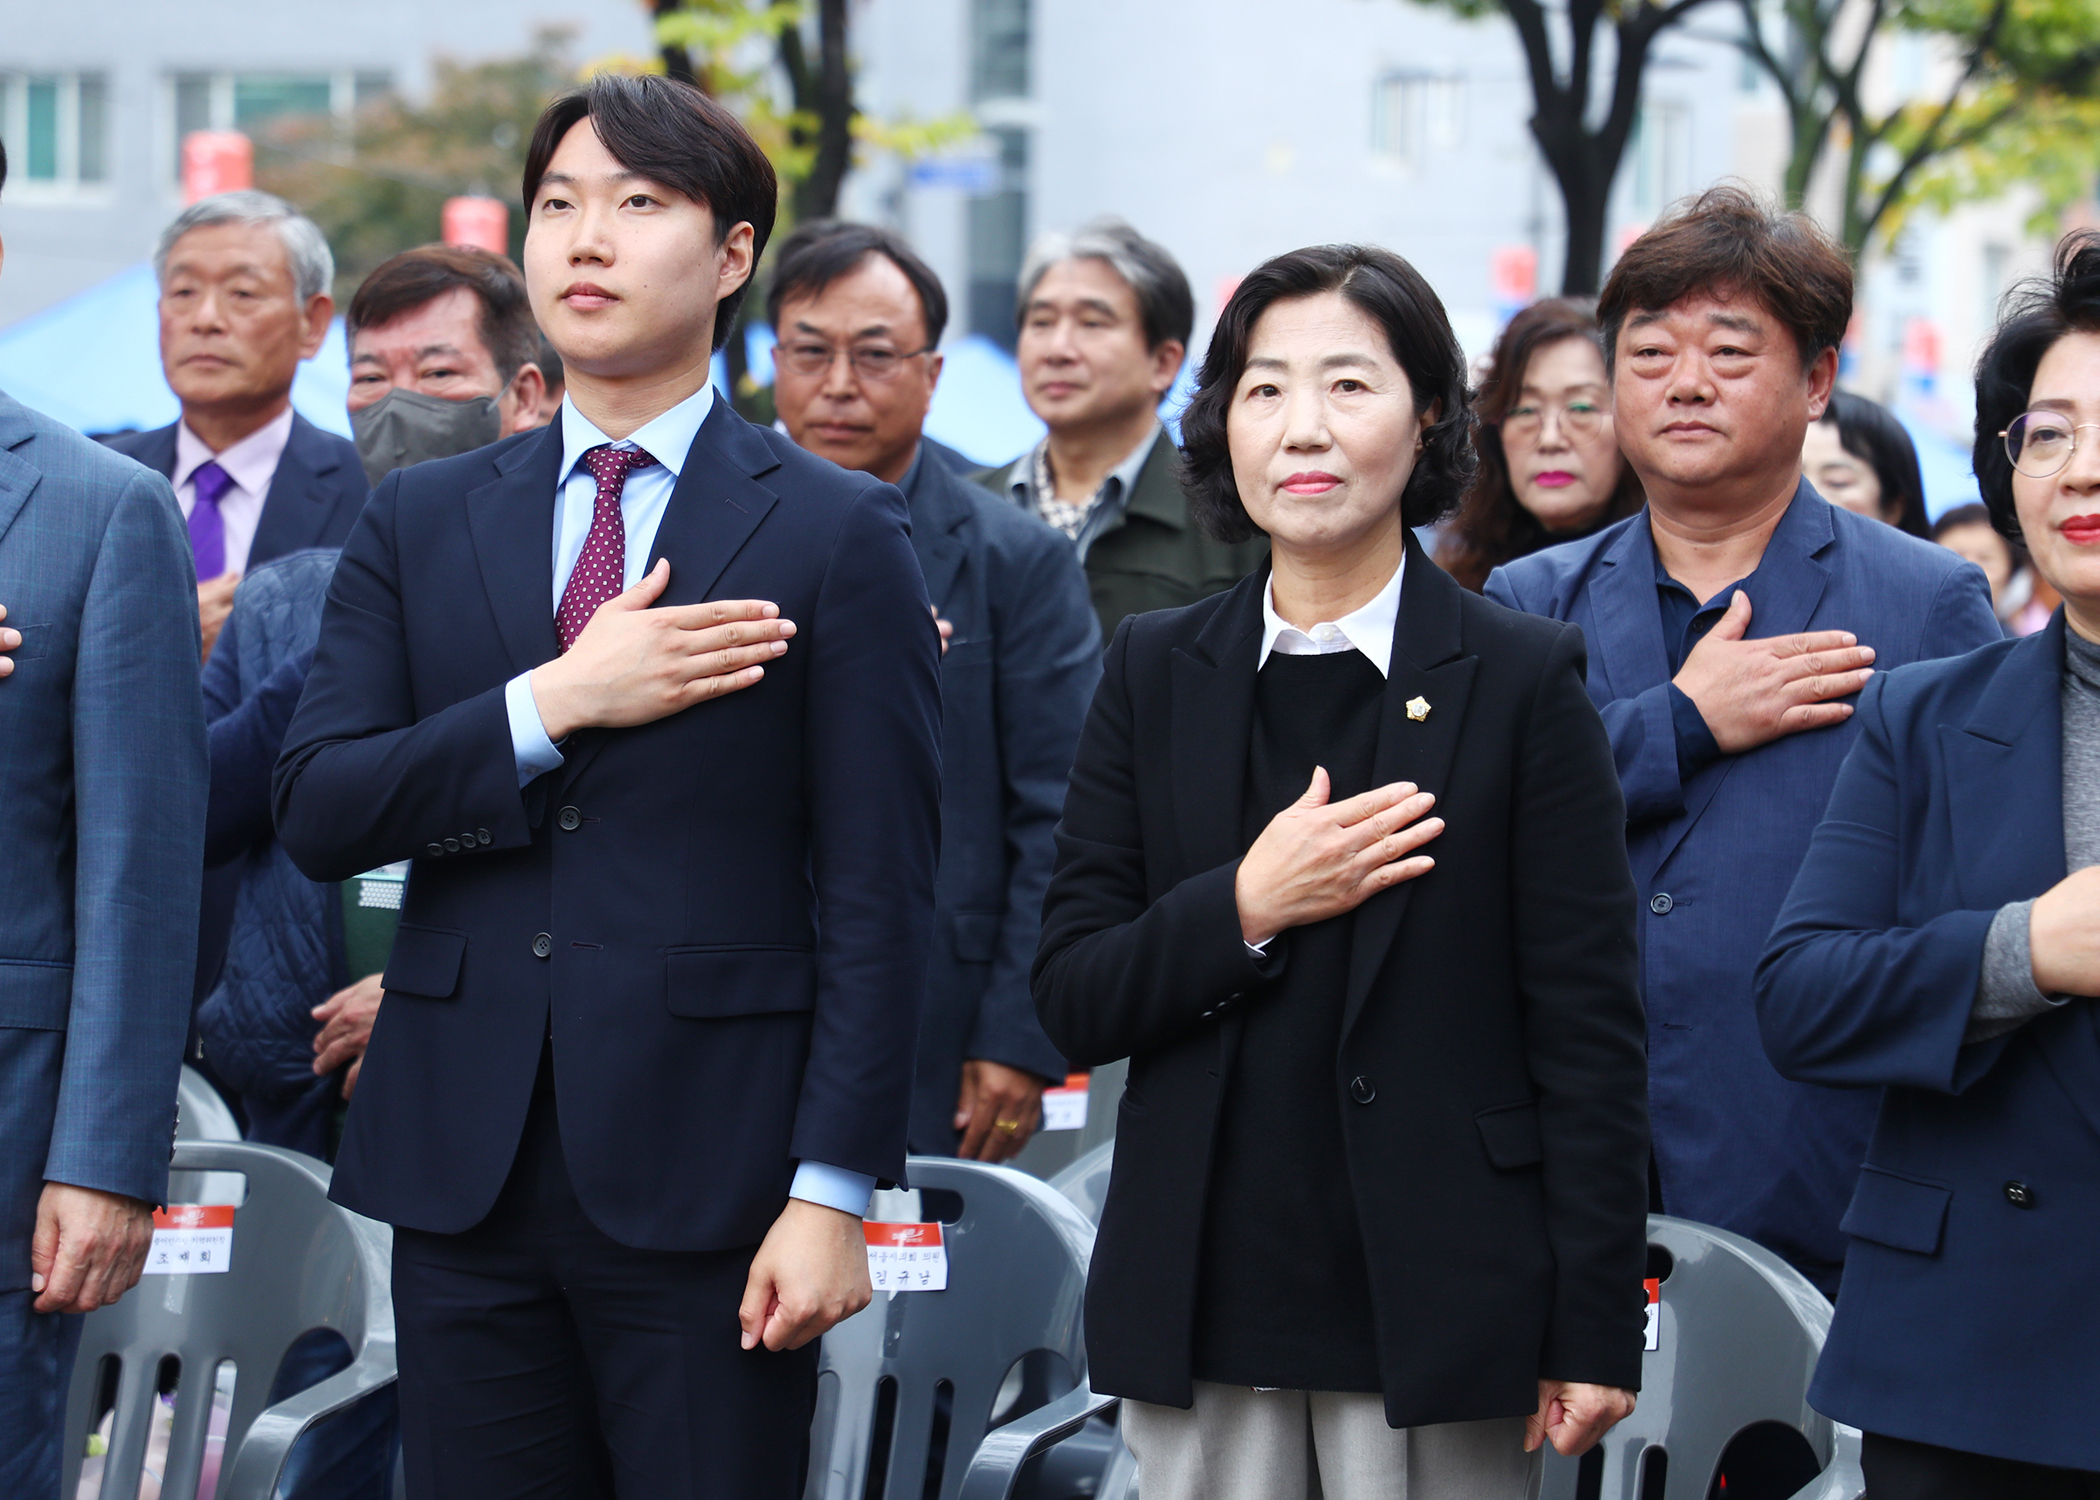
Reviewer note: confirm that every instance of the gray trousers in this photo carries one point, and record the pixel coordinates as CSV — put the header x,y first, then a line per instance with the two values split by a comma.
x,y
1242,1444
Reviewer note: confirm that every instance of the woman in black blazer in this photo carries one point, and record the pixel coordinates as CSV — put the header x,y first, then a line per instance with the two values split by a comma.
x,y
1381,1161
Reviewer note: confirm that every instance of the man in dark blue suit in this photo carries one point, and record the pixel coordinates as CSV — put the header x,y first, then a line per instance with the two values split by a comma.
x,y
859,317
651,1009
102,755
243,299
1728,624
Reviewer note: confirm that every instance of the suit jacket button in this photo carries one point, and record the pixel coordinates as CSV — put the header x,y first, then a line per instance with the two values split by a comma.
x,y
2019,1195
542,945
1660,903
1362,1090
452,846
435,850
482,836
571,818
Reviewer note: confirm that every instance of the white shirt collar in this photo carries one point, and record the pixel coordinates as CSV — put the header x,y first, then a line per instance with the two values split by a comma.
x,y
250,463
1369,629
667,437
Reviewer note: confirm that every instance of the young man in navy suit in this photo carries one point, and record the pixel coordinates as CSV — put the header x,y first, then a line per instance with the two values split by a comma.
x,y
650,696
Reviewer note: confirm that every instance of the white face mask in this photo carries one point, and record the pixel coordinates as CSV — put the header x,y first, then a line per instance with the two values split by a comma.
x,y
407,427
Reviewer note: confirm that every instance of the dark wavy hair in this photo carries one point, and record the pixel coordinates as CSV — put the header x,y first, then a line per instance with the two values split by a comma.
x,y
1870,432
2033,317
1392,294
1492,526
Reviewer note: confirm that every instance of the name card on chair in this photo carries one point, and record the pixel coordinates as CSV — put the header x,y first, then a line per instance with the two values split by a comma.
x,y
191,1239
906,1257
1655,1324
1064,1107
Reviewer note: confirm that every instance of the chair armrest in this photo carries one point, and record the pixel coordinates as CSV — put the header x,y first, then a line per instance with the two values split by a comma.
x,y
1842,1478
255,1467
997,1463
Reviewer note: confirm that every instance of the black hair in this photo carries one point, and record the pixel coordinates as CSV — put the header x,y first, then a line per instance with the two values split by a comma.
x,y
2035,315
1975,513
821,251
415,278
1392,294
669,132
1870,432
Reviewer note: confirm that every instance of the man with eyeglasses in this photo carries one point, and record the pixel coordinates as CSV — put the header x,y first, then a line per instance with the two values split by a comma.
x,y
1729,624
858,317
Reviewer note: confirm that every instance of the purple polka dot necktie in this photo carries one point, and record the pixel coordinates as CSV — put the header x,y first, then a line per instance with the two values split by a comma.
x,y
208,486
601,568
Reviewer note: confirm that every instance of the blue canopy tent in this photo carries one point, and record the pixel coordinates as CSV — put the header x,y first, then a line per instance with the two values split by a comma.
x,y
93,362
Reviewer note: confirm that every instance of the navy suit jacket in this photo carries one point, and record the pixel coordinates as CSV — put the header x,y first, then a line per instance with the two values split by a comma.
x,y
1015,684
102,759
314,498
1968,1319
1736,1144
722,917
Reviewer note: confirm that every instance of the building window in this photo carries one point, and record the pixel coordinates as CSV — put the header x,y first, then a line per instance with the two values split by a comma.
x,y
56,127
248,102
1414,116
1660,153
997,230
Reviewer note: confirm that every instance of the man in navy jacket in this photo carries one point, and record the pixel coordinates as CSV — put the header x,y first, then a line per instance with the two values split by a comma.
x,y
648,1035
859,316
1728,623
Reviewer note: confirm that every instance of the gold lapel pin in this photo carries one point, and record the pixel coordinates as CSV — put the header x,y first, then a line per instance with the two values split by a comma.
x,y
1418,709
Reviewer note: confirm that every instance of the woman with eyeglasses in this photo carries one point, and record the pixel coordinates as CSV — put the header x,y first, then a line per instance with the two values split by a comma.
x,y
1550,469
1942,943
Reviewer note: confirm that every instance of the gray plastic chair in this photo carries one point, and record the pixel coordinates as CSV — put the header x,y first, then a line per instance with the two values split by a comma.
x,y
299,1262
200,1114
1740,1332
1017,1259
1085,1181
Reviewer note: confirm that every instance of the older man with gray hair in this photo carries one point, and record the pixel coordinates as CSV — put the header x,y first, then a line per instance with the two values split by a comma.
x,y
244,298
1105,316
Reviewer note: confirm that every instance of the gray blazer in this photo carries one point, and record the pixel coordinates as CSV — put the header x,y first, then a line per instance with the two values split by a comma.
x,y
102,798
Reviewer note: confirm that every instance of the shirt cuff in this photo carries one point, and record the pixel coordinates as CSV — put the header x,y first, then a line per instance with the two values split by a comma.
x,y
535,753
832,1187
1696,748
1260,949
2007,997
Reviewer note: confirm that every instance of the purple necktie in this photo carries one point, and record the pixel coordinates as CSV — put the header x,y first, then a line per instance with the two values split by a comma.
x,y
601,568
207,527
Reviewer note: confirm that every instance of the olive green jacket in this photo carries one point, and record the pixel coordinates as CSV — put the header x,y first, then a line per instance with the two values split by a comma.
x,y
1156,557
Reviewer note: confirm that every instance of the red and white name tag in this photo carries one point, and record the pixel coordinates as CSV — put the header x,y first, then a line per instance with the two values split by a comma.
x,y
1655,1312
906,1257
191,1239
1064,1108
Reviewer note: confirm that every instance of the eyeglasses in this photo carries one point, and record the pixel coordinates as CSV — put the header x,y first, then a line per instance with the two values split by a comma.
x,y
2040,443
1578,419
871,362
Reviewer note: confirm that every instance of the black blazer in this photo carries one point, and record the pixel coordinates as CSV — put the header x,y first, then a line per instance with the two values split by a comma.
x,y
723,916
1015,683
1491,1067
314,498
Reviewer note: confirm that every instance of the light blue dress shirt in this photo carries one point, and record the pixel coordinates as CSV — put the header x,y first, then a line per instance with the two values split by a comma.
x,y
667,438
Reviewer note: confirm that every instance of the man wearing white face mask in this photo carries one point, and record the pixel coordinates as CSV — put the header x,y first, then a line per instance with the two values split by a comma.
x,y
443,357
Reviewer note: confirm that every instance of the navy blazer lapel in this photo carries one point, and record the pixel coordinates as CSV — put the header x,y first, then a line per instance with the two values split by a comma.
x,y
1428,664
939,518
1627,642
295,513
715,506
2006,766
512,521
1213,686
18,476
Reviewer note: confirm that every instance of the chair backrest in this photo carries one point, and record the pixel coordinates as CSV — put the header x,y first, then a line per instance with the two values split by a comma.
x,y
1085,1181
1739,1333
200,1114
908,1386
297,1263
